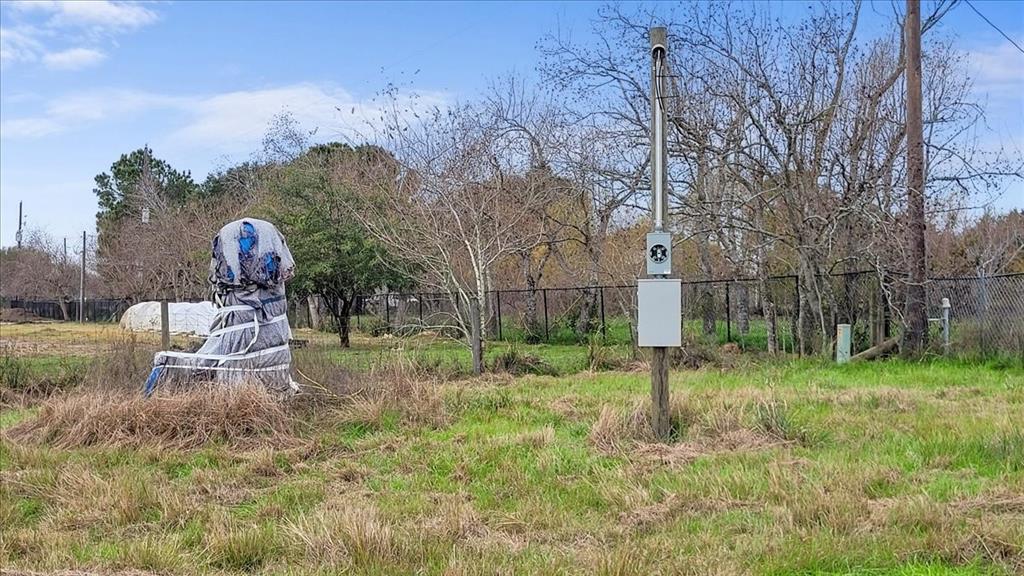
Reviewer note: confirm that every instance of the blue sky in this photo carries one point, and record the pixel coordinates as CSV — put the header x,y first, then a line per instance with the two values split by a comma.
x,y
83,82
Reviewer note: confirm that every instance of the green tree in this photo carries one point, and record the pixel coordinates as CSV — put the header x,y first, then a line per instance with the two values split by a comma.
x,y
335,257
139,180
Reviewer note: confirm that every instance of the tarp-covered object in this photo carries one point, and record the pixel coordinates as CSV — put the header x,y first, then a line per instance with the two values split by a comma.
x,y
184,317
249,335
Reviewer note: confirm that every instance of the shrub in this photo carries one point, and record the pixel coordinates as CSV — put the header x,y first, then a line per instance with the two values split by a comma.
x,y
21,382
514,361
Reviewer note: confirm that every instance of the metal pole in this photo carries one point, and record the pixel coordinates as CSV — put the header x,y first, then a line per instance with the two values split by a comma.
x,y
547,335
387,310
420,298
945,325
81,284
604,325
659,354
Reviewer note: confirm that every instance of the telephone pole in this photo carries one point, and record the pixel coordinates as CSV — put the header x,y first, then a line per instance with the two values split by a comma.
x,y
17,236
916,313
81,284
659,303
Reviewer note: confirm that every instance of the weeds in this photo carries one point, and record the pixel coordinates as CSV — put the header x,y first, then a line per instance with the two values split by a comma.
x,y
514,361
242,548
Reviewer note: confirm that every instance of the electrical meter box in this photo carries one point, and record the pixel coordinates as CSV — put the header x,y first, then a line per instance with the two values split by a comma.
x,y
659,312
659,254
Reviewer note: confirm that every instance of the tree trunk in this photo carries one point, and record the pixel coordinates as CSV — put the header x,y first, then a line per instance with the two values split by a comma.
x,y
341,309
476,341
583,321
313,306
743,307
771,321
64,309
532,323
707,307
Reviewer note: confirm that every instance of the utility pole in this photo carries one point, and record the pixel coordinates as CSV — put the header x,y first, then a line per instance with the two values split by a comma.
x,y
916,313
81,284
659,302
17,236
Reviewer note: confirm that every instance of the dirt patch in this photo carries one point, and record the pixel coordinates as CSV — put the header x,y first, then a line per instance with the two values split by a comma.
x,y
55,348
681,453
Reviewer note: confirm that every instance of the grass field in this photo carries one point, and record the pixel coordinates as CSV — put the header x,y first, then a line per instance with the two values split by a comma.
x,y
776,467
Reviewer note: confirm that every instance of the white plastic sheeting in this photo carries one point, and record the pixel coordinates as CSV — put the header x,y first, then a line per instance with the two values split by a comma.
x,y
184,317
248,337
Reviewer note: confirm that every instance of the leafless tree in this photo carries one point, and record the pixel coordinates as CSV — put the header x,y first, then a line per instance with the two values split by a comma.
x,y
458,204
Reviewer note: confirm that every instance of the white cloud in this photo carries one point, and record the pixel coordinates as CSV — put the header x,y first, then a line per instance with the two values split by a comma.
x,y
231,123
84,25
19,45
97,15
998,68
234,122
77,110
73,59
19,128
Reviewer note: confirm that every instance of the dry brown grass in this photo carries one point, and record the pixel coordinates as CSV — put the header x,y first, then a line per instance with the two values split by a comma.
x,y
697,429
242,415
105,407
344,536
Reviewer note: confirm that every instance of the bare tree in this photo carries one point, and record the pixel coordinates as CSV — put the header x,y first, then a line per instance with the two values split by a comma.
x,y
44,268
457,204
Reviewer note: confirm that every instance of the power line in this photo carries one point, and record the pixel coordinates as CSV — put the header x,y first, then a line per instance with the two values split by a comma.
x,y
976,11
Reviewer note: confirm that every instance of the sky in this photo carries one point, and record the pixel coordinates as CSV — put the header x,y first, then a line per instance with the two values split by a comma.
x,y
83,82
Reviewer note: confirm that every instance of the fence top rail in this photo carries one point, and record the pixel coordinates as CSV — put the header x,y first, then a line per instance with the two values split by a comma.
x,y
978,278
8,301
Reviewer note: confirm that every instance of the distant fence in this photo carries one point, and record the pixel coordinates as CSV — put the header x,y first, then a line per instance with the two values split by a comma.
x,y
96,310
987,313
986,316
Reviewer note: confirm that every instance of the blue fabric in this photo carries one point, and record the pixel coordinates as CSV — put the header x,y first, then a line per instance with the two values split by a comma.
x,y
250,252
151,381
247,240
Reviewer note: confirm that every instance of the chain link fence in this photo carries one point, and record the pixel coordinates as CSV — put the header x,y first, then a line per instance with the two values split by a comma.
x,y
778,313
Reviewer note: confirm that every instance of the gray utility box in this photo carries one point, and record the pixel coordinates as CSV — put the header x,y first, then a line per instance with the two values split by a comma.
x,y
659,312
659,253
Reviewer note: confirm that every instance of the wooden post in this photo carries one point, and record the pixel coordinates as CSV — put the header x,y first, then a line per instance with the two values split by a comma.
x,y
165,325
659,194
659,393
81,284
915,336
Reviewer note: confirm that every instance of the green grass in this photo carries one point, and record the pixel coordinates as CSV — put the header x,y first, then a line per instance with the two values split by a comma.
x,y
794,467
447,356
